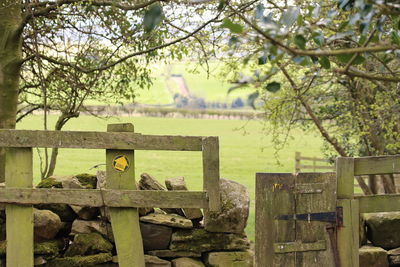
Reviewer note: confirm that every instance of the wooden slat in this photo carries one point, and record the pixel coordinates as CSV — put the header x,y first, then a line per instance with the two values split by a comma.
x,y
377,165
273,198
314,159
112,198
211,172
98,140
299,247
379,203
348,234
19,219
316,167
124,221
345,177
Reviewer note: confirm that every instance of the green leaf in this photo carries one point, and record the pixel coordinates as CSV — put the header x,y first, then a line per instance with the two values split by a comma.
x,y
300,41
395,37
318,38
252,98
324,62
221,5
233,27
345,58
289,17
152,17
273,87
262,60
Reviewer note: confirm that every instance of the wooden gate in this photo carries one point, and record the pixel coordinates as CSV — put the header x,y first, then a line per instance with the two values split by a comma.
x,y
120,196
296,219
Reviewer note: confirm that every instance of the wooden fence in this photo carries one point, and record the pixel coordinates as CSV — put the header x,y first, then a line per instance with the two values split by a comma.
x,y
120,196
353,205
314,166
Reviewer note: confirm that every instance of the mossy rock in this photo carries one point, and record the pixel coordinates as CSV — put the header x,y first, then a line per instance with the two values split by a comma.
x,y
49,183
80,261
88,244
87,180
48,248
64,211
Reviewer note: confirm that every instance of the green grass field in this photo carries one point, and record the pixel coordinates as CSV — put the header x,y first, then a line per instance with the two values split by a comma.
x,y
242,152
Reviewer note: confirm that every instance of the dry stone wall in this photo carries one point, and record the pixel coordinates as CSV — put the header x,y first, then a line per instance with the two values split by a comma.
x,y
67,235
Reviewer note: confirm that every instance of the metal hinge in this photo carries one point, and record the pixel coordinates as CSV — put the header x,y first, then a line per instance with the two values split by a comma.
x,y
335,217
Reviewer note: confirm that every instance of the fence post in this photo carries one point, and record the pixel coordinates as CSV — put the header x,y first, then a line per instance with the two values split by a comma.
x,y
120,174
297,157
211,172
19,218
347,235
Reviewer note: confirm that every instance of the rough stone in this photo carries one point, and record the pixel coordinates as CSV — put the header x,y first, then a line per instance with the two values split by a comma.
x,y
383,229
179,183
72,183
153,261
2,229
64,211
373,257
88,181
88,244
362,231
232,218
49,248
46,224
186,262
171,220
166,253
394,256
38,261
230,259
199,240
80,261
50,182
148,182
86,213
155,237
97,226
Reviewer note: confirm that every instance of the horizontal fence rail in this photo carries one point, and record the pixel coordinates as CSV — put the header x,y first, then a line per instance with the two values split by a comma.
x,y
299,166
107,197
99,140
377,165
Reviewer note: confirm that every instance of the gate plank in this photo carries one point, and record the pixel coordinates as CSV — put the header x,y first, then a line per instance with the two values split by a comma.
x,y
314,232
19,219
124,221
272,189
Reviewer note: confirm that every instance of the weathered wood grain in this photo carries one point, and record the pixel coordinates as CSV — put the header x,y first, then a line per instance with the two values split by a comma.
x,y
124,221
345,177
377,165
314,232
273,198
98,140
112,198
19,219
379,203
348,235
211,172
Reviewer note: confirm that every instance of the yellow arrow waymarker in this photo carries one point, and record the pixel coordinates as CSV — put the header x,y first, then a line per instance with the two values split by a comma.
x,y
121,163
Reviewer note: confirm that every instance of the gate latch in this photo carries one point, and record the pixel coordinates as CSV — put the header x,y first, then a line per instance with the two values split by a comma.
x,y
335,217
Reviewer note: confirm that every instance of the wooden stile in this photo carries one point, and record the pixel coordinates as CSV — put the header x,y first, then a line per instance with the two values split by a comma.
x,y
124,221
19,219
211,171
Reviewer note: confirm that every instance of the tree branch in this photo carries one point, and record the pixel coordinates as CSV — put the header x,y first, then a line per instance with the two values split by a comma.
x,y
361,74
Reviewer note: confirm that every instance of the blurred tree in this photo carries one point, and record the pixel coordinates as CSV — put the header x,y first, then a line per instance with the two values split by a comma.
x,y
333,65
56,54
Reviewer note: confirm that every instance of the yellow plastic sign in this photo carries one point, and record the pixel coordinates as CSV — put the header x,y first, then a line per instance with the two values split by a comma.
x,y
121,163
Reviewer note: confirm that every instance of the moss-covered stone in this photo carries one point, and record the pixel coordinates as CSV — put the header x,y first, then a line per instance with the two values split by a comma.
x,y
47,248
64,211
373,257
80,261
383,229
87,180
88,244
229,259
199,240
3,248
49,183
187,262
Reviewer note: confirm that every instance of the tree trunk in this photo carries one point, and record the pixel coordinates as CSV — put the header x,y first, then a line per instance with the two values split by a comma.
x,y
10,66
